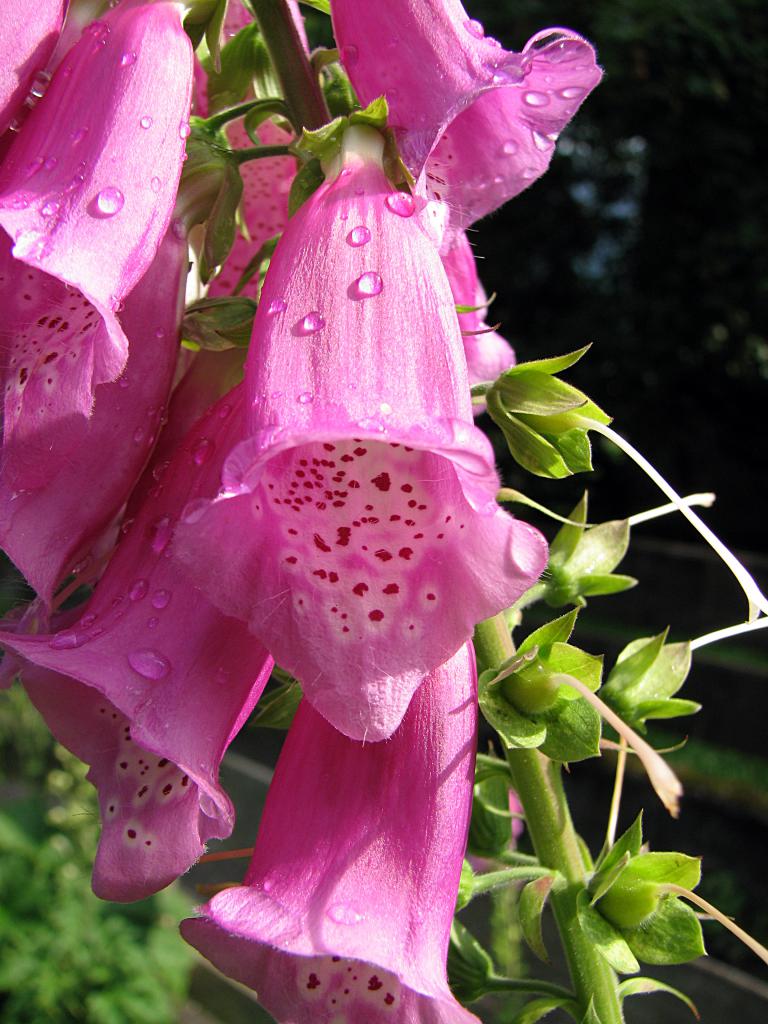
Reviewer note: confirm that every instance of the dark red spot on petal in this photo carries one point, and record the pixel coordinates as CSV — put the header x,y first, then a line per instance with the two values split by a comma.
x,y
389,999
376,615
343,534
314,981
320,543
407,488
405,553
292,559
330,447
391,588
361,451
383,555
131,833
360,589
382,481
374,984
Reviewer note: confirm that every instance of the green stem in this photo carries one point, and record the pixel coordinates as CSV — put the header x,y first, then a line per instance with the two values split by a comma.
x,y
532,985
242,156
273,106
299,83
538,784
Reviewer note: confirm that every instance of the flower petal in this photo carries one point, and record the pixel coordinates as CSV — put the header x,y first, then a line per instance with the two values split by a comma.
x,y
146,658
364,500
88,187
348,917
475,118
27,36
51,458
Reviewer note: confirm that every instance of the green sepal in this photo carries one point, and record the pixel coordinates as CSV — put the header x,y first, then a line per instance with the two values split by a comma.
x,y
489,767
582,560
538,1009
557,631
515,730
466,885
469,965
205,19
662,867
600,584
325,142
647,986
573,734
337,89
628,842
530,907
307,181
604,879
554,364
217,324
537,393
277,707
591,1016
646,675
671,936
568,536
490,826
245,66
607,939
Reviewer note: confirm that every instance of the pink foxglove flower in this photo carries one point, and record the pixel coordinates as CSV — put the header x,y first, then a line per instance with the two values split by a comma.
x,y
88,187
28,34
64,478
479,121
358,521
488,354
347,917
151,683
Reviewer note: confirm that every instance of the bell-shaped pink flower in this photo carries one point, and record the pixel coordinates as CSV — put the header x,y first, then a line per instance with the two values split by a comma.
x,y
347,916
151,683
479,121
88,187
266,184
28,34
488,354
358,521
63,478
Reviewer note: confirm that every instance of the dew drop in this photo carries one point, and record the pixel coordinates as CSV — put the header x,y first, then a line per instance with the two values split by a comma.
x,y
146,121
359,236
305,398
344,913
510,147
541,142
149,664
161,599
184,130
277,306
78,135
572,92
202,451
128,58
536,99
139,590
368,285
474,28
67,639
153,622
312,323
401,203
50,163
160,533
51,208
110,201
155,184
138,435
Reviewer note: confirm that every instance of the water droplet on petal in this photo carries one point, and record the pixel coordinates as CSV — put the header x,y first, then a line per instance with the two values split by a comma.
x,y
50,163
149,664
138,435
541,142
155,184
305,398
536,99
368,285
146,121
184,130
572,92
510,147
202,451
474,28
160,534
139,590
51,208
344,913
78,135
359,236
67,639
110,201
128,58
277,306
312,323
161,599
401,203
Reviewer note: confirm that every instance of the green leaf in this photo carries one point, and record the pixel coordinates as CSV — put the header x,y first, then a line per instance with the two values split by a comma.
x,y
469,965
277,707
646,986
634,662
516,730
556,631
537,393
575,448
530,907
213,32
607,939
538,1009
219,323
649,669
600,549
490,828
488,767
672,707
244,60
598,584
573,733
572,661
529,448
675,868
671,936
629,842
323,6
466,885
309,178
591,1016
221,221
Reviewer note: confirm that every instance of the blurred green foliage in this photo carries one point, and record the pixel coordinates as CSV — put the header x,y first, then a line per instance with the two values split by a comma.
x,y
66,955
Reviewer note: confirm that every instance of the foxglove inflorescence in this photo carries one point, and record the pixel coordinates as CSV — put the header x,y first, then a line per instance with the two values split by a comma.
x,y
333,511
